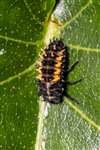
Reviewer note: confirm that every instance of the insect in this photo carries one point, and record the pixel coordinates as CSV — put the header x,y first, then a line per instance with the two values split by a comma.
x,y
53,71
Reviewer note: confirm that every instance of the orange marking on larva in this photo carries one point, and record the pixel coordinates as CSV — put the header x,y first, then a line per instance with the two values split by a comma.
x,y
38,64
61,52
39,71
56,75
56,78
39,77
59,58
57,72
57,66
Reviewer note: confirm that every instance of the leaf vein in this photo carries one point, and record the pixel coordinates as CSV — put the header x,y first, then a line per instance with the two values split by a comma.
x,y
30,68
83,115
17,41
78,47
77,14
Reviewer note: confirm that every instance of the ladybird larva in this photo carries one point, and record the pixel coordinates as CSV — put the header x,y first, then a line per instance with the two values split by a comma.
x,y
52,72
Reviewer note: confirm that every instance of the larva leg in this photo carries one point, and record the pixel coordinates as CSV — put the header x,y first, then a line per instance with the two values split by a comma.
x,y
72,67
74,82
72,98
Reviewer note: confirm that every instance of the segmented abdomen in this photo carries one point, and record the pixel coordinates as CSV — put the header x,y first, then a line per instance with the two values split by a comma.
x,y
51,72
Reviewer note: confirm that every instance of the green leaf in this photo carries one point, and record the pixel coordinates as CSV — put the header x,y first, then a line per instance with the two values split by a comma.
x,y
69,126
23,24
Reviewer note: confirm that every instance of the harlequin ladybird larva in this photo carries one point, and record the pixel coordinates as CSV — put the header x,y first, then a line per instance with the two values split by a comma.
x,y
52,72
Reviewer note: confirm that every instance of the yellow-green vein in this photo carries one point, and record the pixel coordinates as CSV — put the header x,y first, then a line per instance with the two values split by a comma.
x,y
78,47
18,75
17,41
77,15
82,114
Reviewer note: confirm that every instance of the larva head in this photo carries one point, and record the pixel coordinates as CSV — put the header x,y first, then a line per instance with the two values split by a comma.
x,y
56,45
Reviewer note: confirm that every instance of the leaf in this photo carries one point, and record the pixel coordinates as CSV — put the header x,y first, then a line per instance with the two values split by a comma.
x,y
22,28
69,126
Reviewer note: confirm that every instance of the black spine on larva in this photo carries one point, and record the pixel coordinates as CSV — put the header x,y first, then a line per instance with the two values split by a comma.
x,y
52,85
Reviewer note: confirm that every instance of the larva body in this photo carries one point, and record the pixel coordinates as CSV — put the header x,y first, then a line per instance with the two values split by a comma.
x,y
52,71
